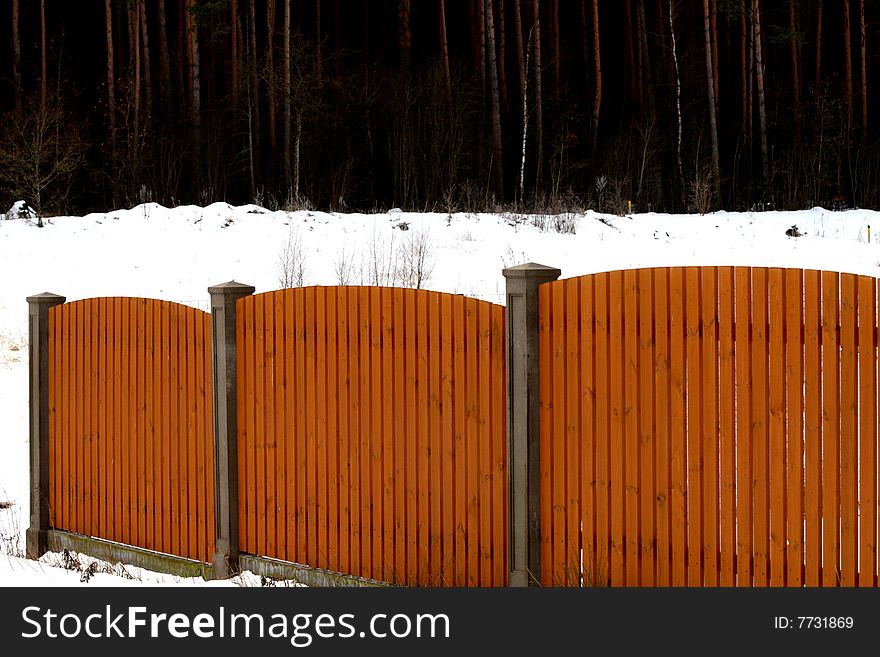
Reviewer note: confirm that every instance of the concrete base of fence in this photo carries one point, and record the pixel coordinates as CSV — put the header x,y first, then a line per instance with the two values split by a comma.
x,y
111,552
58,541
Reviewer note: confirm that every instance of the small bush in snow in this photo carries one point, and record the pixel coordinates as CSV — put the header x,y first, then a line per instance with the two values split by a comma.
x,y
292,260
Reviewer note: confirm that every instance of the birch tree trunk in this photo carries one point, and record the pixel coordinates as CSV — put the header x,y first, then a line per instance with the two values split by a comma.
x,y
444,51
677,92
713,119
597,60
864,66
539,96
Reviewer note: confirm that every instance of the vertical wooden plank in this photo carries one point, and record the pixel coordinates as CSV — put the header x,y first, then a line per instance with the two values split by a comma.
x,y
830,430
302,425
435,458
187,444
794,384
867,472
311,426
139,321
259,438
694,395
662,387
424,575
375,431
617,372
602,428
55,404
557,421
321,443
160,496
203,445
88,429
414,409
193,475
573,438
726,428
269,455
149,437
849,426
332,436
709,435
354,427
177,465
83,404
743,385
584,351
472,437
677,428
812,429
390,392
448,409
281,434
459,401
777,464
760,424
78,373
398,456
124,523
647,431
291,412
66,388
208,485
97,437
631,414
343,409
499,447
366,439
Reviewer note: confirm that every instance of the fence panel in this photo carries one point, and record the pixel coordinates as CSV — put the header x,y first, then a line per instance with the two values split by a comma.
x,y
388,458
709,426
130,424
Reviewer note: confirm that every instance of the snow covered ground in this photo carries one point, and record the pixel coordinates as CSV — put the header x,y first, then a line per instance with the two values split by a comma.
x,y
176,254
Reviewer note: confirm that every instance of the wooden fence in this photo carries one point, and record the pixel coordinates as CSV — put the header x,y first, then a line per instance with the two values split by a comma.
x,y
130,424
372,433
709,426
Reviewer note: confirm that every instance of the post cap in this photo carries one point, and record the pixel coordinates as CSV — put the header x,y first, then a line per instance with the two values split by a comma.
x,y
232,289
532,270
46,298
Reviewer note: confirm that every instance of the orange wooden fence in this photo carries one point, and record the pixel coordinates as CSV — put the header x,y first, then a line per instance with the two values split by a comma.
x,y
372,433
709,426
130,424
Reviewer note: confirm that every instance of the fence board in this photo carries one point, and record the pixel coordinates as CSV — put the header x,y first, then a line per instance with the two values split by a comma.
x,y
726,427
115,363
395,425
830,430
794,308
848,432
867,454
776,426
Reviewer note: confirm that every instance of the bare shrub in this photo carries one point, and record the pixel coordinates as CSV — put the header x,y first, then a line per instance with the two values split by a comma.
x,y
292,260
344,267
700,193
416,259
379,263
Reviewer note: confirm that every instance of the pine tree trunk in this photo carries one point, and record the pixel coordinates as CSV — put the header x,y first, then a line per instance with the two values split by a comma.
x,y
645,57
522,65
539,96
253,48
795,64
236,56
145,41
495,101
631,58
557,71
818,43
759,80
677,93
134,35
164,57
597,60
43,64
444,51
502,55
285,87
713,22
404,34
111,89
745,61
270,58
16,56
319,66
847,64
864,66
713,119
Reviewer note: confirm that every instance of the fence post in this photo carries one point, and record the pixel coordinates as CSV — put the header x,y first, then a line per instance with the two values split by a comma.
x,y
223,298
37,535
523,414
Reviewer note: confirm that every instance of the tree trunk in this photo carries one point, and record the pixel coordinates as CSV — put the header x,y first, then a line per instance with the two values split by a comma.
x,y
597,59
677,92
495,101
145,40
557,72
403,32
111,88
795,64
539,96
254,78
270,56
43,72
631,59
713,22
236,56
645,57
134,35
444,51
759,81
502,55
713,120
285,89
194,70
818,43
164,57
746,59
847,64
319,66
16,57
864,66
522,61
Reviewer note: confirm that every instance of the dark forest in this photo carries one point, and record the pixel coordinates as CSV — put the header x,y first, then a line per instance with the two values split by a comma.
x,y
440,105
